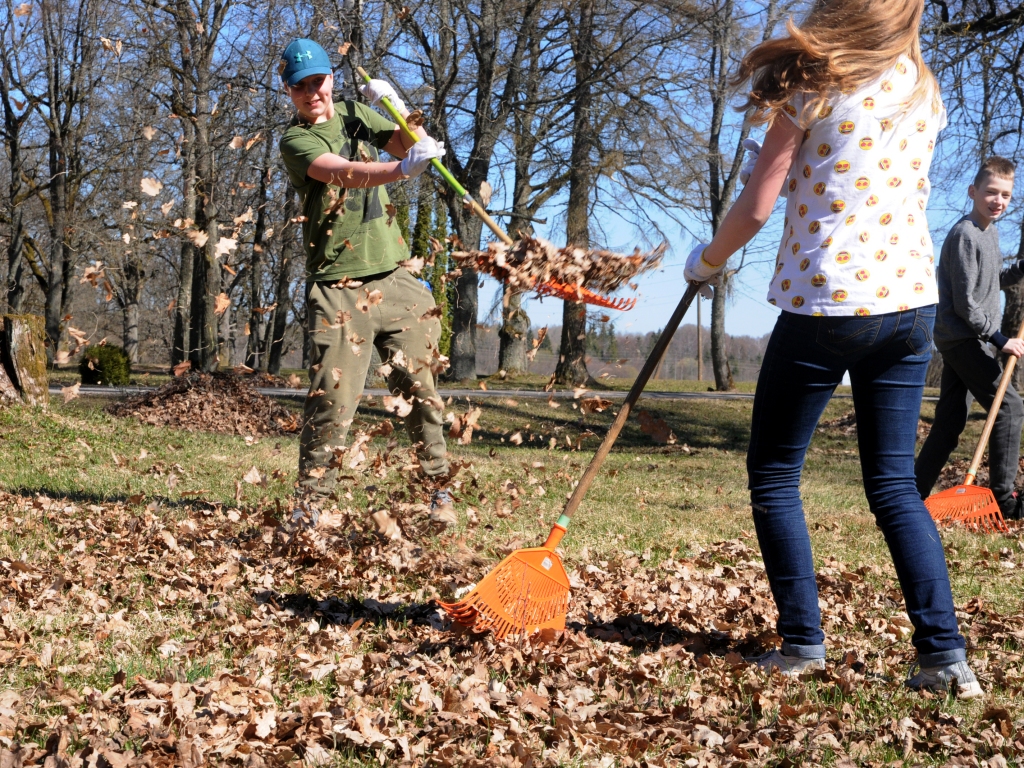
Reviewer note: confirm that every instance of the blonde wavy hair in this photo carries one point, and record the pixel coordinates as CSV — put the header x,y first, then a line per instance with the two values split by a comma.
x,y
841,46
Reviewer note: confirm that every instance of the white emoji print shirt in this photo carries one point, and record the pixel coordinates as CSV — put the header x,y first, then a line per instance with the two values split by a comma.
x,y
856,238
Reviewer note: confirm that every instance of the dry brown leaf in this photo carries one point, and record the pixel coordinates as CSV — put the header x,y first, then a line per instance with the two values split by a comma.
x,y
71,392
151,186
221,304
237,142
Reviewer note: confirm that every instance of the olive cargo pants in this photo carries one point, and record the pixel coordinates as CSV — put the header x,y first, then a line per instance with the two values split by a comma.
x,y
343,323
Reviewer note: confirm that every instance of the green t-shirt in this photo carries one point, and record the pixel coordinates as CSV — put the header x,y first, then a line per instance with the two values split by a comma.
x,y
346,231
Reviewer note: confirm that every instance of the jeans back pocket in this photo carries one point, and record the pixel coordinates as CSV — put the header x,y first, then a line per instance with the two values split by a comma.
x,y
848,335
920,339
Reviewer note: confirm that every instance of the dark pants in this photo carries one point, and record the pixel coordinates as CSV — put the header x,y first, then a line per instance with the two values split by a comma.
x,y
971,371
887,357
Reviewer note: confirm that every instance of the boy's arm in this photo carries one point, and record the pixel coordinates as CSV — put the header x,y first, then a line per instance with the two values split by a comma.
x,y
963,268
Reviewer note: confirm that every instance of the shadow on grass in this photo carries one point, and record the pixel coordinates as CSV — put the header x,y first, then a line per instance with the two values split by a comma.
x,y
85,497
698,424
632,630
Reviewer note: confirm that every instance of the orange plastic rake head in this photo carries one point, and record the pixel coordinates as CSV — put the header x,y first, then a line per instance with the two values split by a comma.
x,y
578,293
970,505
529,590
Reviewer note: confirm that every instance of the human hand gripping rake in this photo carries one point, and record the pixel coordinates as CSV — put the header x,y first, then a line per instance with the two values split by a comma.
x,y
548,287
529,590
967,503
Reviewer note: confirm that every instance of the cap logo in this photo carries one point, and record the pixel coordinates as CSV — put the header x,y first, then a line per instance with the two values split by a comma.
x,y
298,56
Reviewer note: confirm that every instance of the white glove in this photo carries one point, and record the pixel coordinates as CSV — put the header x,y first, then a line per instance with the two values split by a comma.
x,y
375,90
753,152
699,271
420,155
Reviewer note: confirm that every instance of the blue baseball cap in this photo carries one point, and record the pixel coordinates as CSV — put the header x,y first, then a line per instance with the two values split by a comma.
x,y
303,58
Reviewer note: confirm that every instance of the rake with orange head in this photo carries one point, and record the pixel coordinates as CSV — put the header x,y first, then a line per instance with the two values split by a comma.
x,y
548,288
968,504
529,590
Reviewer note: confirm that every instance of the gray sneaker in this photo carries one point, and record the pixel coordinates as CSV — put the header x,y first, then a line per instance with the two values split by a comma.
x,y
304,517
944,677
442,507
788,666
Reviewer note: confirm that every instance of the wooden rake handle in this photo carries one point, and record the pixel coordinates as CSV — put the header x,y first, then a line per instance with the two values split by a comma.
x,y
993,411
620,420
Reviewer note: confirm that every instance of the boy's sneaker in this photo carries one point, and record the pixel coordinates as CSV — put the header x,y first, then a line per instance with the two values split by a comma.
x,y
304,517
944,677
442,507
1016,512
788,666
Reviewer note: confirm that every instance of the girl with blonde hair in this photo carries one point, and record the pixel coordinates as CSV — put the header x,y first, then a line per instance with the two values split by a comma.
x,y
852,113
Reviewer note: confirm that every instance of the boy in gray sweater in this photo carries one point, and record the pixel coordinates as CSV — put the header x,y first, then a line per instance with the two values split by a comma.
x,y
970,276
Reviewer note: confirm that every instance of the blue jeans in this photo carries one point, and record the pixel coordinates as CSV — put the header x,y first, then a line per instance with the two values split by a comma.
x,y
887,357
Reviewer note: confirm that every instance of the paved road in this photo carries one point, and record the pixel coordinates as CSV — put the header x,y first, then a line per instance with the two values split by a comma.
x,y
474,394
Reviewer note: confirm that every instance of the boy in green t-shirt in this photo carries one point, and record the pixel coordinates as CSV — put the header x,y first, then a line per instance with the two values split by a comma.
x,y
356,294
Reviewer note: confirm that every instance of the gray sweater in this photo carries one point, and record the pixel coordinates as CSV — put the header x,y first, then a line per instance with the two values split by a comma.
x,y
970,276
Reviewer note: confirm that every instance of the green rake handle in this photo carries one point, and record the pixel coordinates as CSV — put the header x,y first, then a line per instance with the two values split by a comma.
x,y
560,527
440,168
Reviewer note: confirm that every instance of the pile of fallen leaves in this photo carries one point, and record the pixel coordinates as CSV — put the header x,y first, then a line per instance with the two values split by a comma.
x,y
955,472
210,402
531,261
215,635
847,425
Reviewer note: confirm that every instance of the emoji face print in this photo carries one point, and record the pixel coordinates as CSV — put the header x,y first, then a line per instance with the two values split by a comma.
x,y
804,265
841,166
838,206
824,150
819,188
881,255
843,257
826,242
798,301
802,210
886,219
862,275
867,144
885,163
819,280
882,292
840,296
814,227
862,183
785,284
846,127
863,312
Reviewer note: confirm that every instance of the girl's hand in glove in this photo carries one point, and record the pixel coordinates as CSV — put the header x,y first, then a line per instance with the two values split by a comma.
x,y
420,155
753,152
699,271
375,90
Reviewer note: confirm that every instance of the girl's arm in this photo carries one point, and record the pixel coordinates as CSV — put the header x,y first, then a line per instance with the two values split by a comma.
x,y
398,145
750,212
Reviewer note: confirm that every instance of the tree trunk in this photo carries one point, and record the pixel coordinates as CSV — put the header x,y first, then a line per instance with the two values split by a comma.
x,y
23,354
130,335
464,310
514,336
289,250
12,134
183,341
719,354
572,365
255,351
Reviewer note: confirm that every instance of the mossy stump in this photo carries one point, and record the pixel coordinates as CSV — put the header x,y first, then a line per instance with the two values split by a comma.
x,y
23,357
